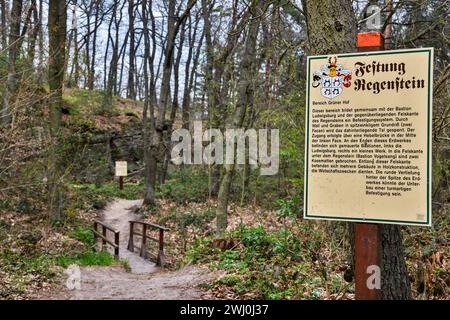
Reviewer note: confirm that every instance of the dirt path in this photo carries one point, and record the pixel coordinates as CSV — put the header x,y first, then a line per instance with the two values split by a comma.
x,y
145,281
118,215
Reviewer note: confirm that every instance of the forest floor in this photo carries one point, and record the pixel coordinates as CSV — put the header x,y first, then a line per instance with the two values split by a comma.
x,y
142,280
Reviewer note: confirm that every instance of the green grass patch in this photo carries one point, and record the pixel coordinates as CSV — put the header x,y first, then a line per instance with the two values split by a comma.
x,y
131,191
185,185
21,264
83,234
88,258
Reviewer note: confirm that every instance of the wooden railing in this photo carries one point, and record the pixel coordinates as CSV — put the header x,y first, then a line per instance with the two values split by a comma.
x,y
103,236
160,260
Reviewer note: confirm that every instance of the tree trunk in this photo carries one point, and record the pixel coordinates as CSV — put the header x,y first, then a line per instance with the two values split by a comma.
x,y
72,39
4,18
57,27
41,44
112,73
34,35
248,72
395,283
131,92
91,76
150,164
331,26
188,74
11,81
173,26
175,106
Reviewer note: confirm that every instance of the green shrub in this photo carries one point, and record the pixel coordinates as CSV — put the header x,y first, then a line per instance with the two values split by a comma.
x,y
192,217
88,258
84,235
131,191
186,185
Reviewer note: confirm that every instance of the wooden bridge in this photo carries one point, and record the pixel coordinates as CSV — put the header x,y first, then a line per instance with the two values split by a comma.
x,y
138,229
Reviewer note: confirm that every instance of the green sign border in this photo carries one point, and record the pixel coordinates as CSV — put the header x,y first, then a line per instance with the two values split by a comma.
x,y
430,52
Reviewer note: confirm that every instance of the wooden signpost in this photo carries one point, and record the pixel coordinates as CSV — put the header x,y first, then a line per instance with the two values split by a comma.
x,y
121,172
368,250
368,145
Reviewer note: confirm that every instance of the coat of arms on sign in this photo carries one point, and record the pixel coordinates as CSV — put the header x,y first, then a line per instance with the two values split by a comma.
x,y
332,78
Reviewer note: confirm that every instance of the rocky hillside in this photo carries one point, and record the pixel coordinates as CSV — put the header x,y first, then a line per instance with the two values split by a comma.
x,y
99,140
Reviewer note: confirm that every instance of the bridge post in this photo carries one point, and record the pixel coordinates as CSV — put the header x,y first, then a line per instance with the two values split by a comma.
x,y
143,252
116,248
131,240
104,239
161,258
95,236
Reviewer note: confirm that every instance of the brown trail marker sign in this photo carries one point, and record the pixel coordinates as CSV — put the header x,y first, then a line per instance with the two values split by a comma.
x,y
368,144
121,171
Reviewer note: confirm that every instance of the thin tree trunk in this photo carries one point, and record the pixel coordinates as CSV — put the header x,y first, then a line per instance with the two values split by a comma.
x,y
34,35
131,91
91,76
150,165
215,67
57,27
41,44
72,39
4,19
175,106
172,31
14,41
188,74
111,85
248,72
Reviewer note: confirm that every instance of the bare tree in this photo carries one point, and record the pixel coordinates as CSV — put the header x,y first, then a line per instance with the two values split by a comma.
x,y
131,91
173,26
3,19
14,47
247,73
57,28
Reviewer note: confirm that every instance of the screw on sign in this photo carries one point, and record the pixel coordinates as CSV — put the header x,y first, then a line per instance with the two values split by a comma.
x,y
121,172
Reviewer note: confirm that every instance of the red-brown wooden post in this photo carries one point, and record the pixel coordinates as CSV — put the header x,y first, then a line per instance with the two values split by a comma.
x,y
104,239
367,235
116,242
131,240
95,236
161,258
143,252
121,183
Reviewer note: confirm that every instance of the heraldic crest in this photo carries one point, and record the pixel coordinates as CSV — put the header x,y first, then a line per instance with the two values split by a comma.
x,y
332,78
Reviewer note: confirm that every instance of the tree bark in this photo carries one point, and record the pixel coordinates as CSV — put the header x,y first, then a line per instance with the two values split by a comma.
x,y
4,18
173,26
111,85
395,283
91,58
41,44
57,28
248,72
175,106
188,74
331,26
11,81
131,91
33,35
149,87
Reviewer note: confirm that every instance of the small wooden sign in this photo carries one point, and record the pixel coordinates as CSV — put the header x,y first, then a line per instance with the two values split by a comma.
x,y
121,169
